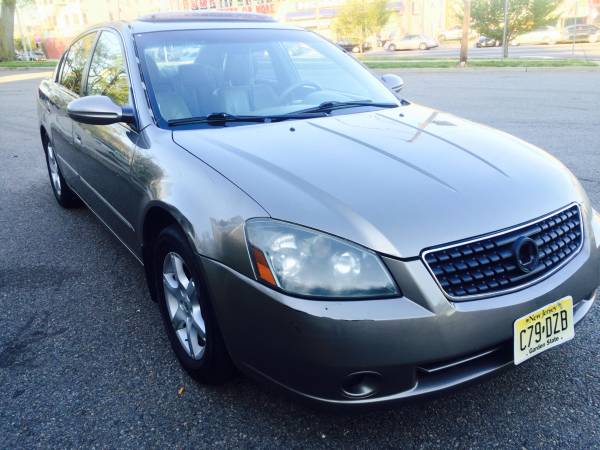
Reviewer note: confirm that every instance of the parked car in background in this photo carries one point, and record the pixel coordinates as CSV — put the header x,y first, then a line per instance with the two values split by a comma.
x,y
353,46
39,55
411,42
543,35
35,55
581,33
455,34
485,41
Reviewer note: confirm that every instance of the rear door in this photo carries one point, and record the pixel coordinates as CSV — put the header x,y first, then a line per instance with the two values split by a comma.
x,y
108,149
67,88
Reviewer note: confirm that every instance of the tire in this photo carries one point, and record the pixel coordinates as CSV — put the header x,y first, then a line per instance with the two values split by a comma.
x,y
423,46
62,192
593,38
198,343
392,47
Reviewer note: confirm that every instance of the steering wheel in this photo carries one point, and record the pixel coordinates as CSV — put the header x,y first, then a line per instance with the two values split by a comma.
x,y
296,86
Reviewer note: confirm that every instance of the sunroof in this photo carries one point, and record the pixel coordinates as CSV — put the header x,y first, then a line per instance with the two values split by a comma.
x,y
206,16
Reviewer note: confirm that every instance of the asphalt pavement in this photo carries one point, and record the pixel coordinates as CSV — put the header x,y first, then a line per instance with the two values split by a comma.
x,y
84,360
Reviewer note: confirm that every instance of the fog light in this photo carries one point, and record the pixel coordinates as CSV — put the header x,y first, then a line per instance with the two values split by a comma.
x,y
361,384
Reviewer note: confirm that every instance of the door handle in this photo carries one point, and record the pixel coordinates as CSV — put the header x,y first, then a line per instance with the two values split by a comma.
x,y
78,139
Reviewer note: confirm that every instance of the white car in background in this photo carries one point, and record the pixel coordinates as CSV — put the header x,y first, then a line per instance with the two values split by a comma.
x,y
411,42
543,35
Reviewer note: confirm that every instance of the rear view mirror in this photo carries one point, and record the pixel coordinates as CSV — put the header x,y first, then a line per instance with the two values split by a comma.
x,y
98,110
393,82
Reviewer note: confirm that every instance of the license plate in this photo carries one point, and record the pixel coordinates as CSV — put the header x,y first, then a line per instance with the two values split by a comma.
x,y
542,329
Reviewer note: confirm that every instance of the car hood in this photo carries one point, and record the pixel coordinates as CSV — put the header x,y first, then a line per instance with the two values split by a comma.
x,y
396,181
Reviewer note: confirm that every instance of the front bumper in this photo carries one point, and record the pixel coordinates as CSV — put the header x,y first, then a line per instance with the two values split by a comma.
x,y
411,346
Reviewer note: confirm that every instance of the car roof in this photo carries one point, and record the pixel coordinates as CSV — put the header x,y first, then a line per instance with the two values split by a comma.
x,y
186,20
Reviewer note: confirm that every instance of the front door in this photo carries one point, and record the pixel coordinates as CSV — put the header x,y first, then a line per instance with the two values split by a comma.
x,y
67,88
109,149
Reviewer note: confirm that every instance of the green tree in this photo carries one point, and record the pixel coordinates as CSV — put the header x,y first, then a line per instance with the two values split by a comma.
x,y
7,29
360,19
487,16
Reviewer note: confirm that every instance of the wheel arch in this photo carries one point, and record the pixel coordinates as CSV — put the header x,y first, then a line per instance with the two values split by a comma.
x,y
44,136
157,217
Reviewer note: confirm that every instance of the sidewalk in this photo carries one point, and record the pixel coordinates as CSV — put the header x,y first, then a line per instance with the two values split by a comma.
x,y
9,75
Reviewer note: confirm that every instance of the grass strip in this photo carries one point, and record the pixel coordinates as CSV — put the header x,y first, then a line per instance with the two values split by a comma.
x,y
27,64
453,63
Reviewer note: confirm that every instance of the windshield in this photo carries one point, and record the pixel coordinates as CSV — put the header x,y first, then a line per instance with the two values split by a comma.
x,y
249,72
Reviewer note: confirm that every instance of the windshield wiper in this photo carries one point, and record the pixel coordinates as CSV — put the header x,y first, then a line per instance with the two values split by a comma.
x,y
327,107
220,119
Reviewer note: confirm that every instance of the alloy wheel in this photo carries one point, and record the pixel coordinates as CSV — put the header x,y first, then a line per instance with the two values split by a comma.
x,y
53,166
182,299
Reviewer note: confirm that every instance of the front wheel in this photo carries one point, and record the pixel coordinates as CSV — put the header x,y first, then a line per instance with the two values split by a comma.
x,y
62,192
593,38
392,47
423,46
187,313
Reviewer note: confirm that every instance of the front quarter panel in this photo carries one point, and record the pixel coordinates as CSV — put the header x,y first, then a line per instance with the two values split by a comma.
x,y
209,208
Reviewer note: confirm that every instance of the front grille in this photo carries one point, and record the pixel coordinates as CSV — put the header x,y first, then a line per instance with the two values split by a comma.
x,y
490,265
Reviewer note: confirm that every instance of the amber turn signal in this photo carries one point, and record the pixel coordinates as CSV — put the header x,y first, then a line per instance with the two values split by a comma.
x,y
262,267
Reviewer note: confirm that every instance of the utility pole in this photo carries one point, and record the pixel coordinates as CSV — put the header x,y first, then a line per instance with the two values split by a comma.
x,y
464,44
574,30
318,15
423,17
505,31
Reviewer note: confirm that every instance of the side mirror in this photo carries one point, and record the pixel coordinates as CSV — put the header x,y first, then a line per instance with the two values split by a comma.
x,y
98,110
393,82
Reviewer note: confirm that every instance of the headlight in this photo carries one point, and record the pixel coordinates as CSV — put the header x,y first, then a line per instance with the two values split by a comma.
x,y
305,262
596,226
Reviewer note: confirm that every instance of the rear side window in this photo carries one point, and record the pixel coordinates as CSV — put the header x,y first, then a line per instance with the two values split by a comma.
x,y
107,74
75,61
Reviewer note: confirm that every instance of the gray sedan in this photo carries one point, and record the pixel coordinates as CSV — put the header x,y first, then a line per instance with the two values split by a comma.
x,y
300,222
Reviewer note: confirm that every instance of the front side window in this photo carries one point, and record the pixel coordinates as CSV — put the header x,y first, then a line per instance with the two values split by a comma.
x,y
75,61
107,74
250,72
